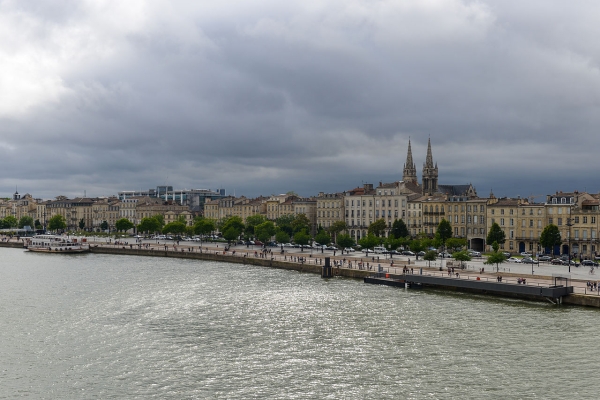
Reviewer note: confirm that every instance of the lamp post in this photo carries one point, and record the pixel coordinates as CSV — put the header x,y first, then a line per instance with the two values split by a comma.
x,y
569,225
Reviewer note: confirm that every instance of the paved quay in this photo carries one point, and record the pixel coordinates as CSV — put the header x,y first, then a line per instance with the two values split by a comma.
x,y
358,264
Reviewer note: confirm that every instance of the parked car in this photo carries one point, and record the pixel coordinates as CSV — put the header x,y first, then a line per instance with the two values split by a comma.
x,y
528,260
408,253
526,254
544,258
394,252
331,248
421,253
514,260
349,250
444,255
473,253
556,261
589,263
506,254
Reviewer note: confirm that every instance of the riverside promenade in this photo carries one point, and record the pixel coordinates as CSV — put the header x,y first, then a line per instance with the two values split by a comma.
x,y
351,266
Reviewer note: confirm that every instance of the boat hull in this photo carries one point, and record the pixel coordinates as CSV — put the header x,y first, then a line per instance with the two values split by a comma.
x,y
58,250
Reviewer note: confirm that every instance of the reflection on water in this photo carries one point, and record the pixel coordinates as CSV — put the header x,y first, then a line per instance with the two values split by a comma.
x,y
99,326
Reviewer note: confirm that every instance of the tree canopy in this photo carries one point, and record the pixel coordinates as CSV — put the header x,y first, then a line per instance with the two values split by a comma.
x,y
496,234
550,237
123,225
282,236
26,220
264,231
301,222
345,241
369,241
149,225
444,231
56,223
399,229
252,221
456,244
322,238
204,226
175,227
377,228
301,238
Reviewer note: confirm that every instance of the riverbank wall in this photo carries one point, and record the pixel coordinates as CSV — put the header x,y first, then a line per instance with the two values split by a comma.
x,y
572,299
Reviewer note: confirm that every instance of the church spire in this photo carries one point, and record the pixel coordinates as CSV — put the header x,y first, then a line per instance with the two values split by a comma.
x,y
410,170
430,173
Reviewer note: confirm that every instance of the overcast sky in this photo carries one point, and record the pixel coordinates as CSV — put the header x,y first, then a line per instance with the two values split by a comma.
x,y
268,96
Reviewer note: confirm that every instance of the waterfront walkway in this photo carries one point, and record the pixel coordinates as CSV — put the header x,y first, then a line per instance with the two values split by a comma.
x,y
347,262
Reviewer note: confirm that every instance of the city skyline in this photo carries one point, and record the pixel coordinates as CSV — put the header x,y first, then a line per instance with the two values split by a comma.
x,y
266,97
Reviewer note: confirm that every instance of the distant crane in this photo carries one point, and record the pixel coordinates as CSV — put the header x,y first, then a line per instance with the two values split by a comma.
x,y
532,197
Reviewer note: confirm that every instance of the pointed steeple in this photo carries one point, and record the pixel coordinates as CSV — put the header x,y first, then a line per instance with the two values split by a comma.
x,y
430,173
410,170
429,159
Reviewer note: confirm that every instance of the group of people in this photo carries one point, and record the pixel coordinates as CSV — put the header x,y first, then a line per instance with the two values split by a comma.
x,y
592,285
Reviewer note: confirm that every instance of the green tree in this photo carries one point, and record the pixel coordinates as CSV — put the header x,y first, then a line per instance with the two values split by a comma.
x,y
57,223
430,256
123,225
399,229
264,231
456,244
231,233
550,237
38,224
160,218
377,228
148,225
444,231
253,221
25,220
322,238
10,222
233,222
496,234
495,258
175,227
345,241
282,236
204,227
462,256
301,238
81,223
284,223
337,227
368,242
104,226
393,243
301,222
418,245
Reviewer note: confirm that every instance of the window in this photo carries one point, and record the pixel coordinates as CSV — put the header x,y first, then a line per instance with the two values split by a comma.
x,y
593,220
550,220
512,222
511,211
584,220
502,211
531,223
501,221
492,212
559,221
576,220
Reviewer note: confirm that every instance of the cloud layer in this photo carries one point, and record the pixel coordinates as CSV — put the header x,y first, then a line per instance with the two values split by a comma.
x,y
263,97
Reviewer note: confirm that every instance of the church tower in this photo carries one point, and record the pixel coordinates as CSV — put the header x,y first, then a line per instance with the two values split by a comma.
x,y
410,170
430,173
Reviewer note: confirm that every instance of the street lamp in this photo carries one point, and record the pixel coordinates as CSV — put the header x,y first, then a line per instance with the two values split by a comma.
x,y
569,225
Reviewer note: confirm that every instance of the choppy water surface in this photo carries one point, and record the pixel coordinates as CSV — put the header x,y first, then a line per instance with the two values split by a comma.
x,y
97,326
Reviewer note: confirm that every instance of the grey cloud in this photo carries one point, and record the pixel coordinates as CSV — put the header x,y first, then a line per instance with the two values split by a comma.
x,y
275,97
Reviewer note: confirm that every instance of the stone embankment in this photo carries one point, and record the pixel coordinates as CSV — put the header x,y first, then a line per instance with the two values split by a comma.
x,y
311,263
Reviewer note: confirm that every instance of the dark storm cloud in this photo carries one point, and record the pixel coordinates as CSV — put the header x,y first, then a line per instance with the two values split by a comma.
x,y
269,96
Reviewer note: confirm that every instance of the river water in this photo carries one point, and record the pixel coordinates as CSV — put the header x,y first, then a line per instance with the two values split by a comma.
x,y
118,327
